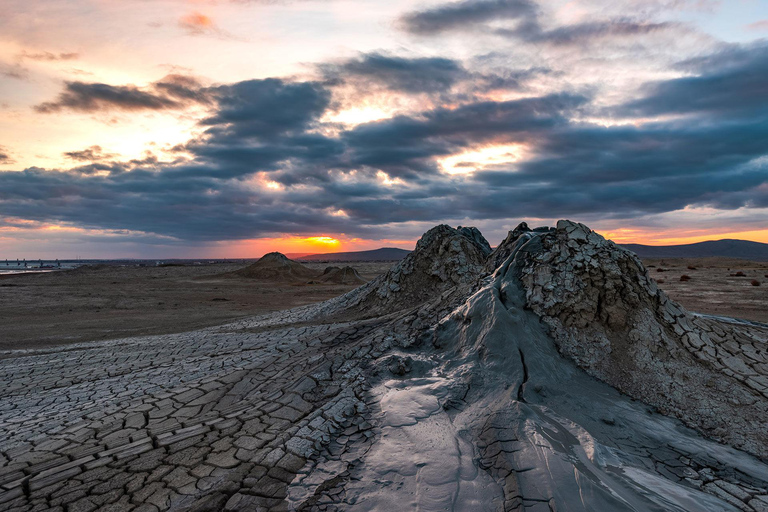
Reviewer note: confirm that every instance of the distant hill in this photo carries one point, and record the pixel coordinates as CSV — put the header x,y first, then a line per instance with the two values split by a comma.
x,y
297,255
742,249
383,254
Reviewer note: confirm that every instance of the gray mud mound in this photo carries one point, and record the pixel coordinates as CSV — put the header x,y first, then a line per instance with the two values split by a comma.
x,y
444,257
606,313
276,267
547,375
341,275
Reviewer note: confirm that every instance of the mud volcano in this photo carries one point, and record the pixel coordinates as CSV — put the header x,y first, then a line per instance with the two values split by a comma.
x,y
550,374
276,266
341,275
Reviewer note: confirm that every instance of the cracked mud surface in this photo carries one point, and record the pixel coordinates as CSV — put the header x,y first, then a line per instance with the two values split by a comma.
x,y
463,390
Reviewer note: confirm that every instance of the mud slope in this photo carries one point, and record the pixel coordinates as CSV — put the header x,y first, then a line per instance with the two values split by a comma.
x,y
548,375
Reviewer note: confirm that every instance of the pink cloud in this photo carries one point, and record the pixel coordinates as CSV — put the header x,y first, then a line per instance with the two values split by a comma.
x,y
761,25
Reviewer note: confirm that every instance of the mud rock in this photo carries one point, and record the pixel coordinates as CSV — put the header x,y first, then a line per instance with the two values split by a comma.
x,y
443,258
607,314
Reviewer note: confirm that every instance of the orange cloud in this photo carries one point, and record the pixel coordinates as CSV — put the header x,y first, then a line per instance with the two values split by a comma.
x,y
196,23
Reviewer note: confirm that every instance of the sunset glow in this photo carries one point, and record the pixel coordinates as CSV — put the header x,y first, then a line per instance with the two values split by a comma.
x,y
357,116
681,237
482,158
323,241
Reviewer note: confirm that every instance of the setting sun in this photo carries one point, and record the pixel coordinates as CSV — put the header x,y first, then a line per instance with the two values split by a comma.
x,y
323,241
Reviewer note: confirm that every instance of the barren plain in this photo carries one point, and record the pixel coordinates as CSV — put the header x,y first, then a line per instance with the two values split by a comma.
x,y
108,302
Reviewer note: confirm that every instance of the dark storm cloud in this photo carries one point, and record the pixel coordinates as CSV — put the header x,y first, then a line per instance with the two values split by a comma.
x,y
261,125
172,92
270,130
405,146
579,33
635,170
430,75
192,208
732,82
470,15
267,108
465,14
427,74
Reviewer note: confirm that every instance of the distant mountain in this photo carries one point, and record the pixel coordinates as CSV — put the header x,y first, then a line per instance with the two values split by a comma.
x,y
742,249
297,255
383,254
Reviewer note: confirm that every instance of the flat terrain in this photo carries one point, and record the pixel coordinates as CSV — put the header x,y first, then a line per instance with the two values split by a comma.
x,y
712,289
108,302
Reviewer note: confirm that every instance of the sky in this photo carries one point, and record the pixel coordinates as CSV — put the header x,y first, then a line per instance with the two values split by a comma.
x,y
231,128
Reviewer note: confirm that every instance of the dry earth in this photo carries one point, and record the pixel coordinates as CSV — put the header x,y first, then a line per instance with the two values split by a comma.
x,y
712,289
108,302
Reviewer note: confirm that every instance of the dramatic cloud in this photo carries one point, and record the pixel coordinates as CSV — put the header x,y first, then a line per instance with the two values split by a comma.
x,y
412,75
406,146
526,15
732,82
5,158
267,108
266,164
582,32
91,154
48,56
172,92
466,14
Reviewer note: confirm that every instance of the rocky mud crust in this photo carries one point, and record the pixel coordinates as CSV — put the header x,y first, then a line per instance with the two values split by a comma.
x,y
549,374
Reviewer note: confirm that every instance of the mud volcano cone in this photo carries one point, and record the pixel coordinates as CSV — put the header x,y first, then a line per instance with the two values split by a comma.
x,y
345,275
276,267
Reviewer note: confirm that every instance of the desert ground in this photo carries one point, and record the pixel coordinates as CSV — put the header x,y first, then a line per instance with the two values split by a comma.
x,y
716,286
108,302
